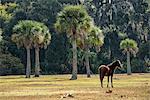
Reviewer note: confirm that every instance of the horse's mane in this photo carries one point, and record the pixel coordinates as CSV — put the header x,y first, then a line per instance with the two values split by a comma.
x,y
111,63
114,62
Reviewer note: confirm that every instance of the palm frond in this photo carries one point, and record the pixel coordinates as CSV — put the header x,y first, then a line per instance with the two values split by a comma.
x,y
129,45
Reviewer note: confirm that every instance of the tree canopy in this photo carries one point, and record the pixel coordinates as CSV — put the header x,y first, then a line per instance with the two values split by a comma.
x,y
117,19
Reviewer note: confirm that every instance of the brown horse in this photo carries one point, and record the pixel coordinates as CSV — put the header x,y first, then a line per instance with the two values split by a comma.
x,y
108,70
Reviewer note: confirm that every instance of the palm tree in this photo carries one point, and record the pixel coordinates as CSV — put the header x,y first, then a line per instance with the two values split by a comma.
x,y
94,38
22,36
41,38
75,21
0,39
1,35
129,46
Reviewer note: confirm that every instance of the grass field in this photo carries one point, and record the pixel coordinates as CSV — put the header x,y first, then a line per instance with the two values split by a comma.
x,y
56,87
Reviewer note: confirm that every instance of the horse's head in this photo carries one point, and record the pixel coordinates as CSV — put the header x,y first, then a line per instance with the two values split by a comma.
x,y
118,64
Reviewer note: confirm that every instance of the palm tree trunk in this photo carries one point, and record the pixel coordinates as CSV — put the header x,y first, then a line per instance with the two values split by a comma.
x,y
87,63
109,50
149,50
74,63
28,68
37,62
128,63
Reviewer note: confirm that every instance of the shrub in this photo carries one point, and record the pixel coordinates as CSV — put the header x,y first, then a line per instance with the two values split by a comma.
x,y
10,65
138,65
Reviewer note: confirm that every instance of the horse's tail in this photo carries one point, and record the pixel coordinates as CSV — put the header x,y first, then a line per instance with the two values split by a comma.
x,y
101,75
99,72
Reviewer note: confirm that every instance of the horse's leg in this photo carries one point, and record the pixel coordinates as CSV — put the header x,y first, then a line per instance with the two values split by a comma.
x,y
112,81
101,78
108,82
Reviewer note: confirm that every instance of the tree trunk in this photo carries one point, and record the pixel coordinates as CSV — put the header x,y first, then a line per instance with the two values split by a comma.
x,y
74,63
87,63
109,50
28,68
37,62
128,63
149,50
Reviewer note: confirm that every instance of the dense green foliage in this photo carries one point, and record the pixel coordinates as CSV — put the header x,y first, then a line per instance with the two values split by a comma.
x,y
10,65
118,19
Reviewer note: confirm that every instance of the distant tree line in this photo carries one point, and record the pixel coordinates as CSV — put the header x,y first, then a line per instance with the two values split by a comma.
x,y
62,38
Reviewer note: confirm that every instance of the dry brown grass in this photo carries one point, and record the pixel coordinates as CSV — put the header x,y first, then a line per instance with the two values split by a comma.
x,y
56,87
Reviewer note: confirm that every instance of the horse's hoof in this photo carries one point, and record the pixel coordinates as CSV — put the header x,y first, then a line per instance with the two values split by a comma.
x,y
109,91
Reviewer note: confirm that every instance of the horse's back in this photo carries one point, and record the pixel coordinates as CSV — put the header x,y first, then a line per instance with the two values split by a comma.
x,y
103,67
103,70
